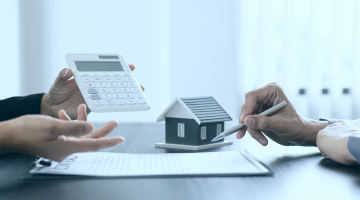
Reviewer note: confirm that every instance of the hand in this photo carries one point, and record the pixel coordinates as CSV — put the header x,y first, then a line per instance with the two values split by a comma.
x,y
333,141
64,94
285,127
55,139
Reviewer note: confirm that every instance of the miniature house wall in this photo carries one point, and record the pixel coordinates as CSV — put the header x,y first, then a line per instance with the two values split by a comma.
x,y
193,121
189,132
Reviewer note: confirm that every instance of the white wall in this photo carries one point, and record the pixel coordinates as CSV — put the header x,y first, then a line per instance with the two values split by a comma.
x,y
179,48
202,51
137,29
192,48
9,49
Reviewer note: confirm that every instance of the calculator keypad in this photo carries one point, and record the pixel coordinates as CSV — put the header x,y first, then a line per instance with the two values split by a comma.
x,y
112,89
90,85
99,102
92,91
101,85
95,97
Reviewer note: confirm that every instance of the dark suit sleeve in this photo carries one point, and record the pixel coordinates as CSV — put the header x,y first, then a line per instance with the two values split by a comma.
x,y
17,106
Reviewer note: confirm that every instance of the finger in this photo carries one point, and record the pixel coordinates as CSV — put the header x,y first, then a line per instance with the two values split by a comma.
x,y
325,156
63,115
260,108
103,131
64,76
132,67
249,106
260,122
75,145
69,128
257,135
240,134
143,89
82,112
264,95
274,137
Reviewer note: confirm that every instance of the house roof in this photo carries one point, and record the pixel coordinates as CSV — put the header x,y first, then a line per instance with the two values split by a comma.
x,y
201,109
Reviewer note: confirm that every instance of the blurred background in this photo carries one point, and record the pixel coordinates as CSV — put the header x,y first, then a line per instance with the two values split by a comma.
x,y
185,48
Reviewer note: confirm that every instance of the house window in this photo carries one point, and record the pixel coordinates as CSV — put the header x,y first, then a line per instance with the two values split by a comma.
x,y
181,130
203,133
218,129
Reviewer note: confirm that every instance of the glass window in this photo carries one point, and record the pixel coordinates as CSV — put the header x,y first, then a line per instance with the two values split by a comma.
x,y
218,129
203,133
181,130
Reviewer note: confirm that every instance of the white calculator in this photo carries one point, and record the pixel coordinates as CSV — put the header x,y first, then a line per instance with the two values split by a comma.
x,y
107,83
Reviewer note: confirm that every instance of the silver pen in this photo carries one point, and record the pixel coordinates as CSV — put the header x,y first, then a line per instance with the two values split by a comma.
x,y
242,125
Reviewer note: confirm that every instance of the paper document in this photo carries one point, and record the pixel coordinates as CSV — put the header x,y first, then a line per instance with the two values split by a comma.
x,y
160,164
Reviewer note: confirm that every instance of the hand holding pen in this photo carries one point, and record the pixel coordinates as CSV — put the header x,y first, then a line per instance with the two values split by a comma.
x,y
285,127
242,125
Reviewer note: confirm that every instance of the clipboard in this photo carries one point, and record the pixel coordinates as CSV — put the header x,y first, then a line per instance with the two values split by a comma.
x,y
38,172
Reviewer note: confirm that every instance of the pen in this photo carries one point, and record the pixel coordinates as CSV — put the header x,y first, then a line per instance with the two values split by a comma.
x,y
43,162
242,125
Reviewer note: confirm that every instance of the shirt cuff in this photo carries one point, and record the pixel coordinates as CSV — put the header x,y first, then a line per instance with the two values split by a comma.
x,y
354,147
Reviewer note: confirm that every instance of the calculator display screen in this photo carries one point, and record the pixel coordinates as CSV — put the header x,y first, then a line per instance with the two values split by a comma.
x,y
94,66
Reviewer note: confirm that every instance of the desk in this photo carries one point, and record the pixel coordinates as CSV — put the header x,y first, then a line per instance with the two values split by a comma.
x,y
299,173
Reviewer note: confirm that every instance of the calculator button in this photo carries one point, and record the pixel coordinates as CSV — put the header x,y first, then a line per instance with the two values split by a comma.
x,y
85,75
92,91
127,96
117,75
87,80
131,84
122,84
100,85
95,97
139,99
125,90
106,96
104,90
135,90
90,85
111,84
117,96
95,75
119,79
120,102
128,75
114,90
108,79
99,102
128,79
97,79
130,101
107,75
109,102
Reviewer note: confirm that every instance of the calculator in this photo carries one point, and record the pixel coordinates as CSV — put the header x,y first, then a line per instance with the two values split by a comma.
x,y
107,83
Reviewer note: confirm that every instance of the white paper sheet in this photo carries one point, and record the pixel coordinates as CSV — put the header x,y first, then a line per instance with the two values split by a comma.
x,y
124,164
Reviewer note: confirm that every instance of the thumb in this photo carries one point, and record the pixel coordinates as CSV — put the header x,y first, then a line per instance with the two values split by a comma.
x,y
262,122
64,76
71,128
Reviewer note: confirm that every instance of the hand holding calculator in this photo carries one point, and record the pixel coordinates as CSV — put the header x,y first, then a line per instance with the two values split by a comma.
x,y
107,83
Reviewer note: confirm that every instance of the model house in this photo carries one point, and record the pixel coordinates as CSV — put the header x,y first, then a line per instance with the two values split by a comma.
x,y
191,123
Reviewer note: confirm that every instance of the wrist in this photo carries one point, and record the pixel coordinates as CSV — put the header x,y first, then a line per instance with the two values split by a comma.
x,y
313,128
7,130
45,105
